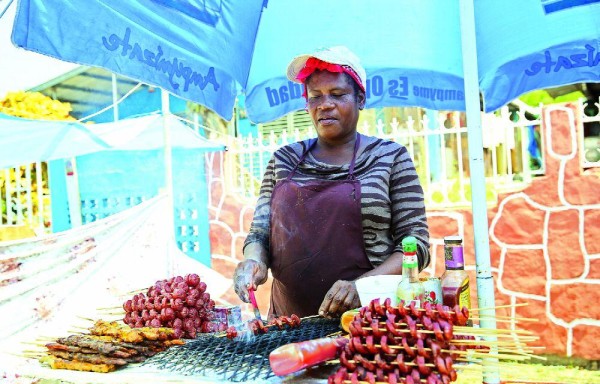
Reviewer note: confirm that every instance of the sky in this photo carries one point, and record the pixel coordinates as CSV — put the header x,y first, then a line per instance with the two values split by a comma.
x,y
21,69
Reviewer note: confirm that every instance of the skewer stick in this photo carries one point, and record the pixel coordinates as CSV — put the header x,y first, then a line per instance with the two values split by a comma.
x,y
500,306
409,363
486,342
406,330
471,352
495,331
109,308
141,290
41,345
498,320
45,338
458,328
32,352
533,320
30,356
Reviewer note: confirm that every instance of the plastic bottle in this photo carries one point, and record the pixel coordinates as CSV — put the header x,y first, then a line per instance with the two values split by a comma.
x,y
410,287
456,287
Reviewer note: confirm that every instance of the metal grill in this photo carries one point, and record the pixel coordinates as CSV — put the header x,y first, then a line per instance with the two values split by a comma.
x,y
240,359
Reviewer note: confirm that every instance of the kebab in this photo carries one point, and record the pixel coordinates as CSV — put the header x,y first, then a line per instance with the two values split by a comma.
x,y
386,343
131,335
103,347
58,363
379,353
257,327
384,337
93,358
180,302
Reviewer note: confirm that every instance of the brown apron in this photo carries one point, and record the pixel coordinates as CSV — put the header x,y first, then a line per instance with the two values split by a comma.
x,y
316,239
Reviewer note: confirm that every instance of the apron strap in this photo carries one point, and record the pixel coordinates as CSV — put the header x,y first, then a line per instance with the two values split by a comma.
x,y
310,146
351,170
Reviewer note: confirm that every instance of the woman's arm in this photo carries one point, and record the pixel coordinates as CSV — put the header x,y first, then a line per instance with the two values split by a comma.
x,y
253,270
408,207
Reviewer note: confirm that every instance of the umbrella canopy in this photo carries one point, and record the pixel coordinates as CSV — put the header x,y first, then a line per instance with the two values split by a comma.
x,y
209,51
26,141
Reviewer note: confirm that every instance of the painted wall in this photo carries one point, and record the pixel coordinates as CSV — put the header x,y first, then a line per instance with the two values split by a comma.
x,y
544,240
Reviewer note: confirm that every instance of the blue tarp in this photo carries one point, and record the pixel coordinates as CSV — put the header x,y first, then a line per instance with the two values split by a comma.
x,y
24,141
209,50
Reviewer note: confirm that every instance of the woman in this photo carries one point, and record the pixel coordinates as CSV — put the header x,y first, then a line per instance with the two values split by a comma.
x,y
335,208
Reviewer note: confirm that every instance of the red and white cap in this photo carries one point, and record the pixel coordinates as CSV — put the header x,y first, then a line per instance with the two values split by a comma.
x,y
337,55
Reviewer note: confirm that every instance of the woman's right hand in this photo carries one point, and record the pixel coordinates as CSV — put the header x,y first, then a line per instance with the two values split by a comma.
x,y
249,273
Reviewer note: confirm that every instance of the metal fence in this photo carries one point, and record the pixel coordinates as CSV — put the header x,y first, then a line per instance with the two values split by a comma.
x,y
437,141
438,147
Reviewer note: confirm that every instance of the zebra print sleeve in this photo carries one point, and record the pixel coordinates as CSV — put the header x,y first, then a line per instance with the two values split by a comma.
x,y
408,207
260,228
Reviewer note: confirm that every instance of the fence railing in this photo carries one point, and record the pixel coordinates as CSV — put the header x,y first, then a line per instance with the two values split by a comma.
x,y
437,143
24,196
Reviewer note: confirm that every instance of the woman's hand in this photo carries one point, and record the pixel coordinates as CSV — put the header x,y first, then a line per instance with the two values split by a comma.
x,y
342,296
249,273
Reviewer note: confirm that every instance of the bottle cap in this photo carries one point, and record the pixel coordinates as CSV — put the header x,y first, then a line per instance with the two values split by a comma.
x,y
409,244
453,240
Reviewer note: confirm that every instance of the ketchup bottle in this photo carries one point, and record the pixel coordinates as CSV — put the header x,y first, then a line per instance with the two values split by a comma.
x,y
456,287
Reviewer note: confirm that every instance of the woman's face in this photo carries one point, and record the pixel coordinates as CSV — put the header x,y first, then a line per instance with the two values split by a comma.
x,y
333,104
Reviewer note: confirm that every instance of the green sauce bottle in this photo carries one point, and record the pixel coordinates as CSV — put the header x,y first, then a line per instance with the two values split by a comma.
x,y
410,287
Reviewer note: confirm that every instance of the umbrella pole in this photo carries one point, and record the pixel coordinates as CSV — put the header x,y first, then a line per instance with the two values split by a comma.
x,y
485,280
168,159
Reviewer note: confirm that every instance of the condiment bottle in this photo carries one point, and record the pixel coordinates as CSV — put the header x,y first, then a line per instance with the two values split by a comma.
x,y
410,287
455,281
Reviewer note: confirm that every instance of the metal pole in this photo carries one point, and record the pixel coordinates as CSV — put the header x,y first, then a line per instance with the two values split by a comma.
x,y
115,96
485,281
168,158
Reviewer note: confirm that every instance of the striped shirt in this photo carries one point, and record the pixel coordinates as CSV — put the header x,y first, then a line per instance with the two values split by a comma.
x,y
392,200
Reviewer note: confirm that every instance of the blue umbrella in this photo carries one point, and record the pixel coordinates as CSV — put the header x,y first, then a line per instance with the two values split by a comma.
x,y
434,54
209,51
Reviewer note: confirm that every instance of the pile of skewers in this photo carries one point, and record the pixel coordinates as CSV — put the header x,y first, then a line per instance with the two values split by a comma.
x,y
107,346
406,344
180,302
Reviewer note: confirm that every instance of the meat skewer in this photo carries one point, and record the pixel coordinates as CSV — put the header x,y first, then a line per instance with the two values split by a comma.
x,y
257,327
131,335
414,349
456,315
93,358
97,345
58,363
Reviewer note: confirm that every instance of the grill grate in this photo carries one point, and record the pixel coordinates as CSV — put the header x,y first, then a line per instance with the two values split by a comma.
x,y
237,360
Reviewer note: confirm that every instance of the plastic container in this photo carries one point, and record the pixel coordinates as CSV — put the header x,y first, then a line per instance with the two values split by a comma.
x,y
380,286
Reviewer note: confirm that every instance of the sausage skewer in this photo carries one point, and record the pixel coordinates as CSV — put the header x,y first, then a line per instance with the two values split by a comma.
x,y
480,352
257,326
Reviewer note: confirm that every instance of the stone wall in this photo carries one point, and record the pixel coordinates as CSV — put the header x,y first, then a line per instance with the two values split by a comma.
x,y
544,244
